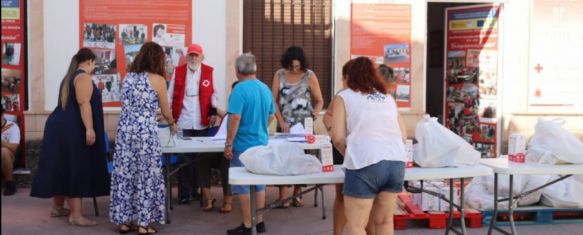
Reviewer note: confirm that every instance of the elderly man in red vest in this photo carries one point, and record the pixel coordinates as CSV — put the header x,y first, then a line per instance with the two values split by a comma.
x,y
193,98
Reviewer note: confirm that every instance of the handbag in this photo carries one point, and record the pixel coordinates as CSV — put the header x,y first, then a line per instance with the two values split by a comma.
x,y
165,136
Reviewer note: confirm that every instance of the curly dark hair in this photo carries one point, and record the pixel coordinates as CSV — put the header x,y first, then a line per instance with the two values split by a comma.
x,y
294,53
151,58
364,78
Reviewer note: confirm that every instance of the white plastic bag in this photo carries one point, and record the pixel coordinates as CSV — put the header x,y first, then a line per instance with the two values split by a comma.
x,y
165,136
439,147
567,193
280,158
551,144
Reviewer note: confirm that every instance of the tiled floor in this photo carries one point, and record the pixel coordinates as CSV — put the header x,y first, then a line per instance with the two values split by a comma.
x,y
22,214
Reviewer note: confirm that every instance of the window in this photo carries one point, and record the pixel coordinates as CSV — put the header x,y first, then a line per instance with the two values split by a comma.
x,y
271,26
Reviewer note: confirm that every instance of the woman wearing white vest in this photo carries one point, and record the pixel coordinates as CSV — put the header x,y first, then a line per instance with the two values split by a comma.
x,y
369,132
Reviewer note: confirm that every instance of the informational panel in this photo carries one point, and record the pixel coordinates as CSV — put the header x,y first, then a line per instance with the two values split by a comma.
x,y
14,66
116,29
382,32
556,46
471,75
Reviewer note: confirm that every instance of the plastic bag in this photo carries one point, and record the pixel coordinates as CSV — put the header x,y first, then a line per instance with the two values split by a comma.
x,y
439,147
165,136
280,158
480,192
551,144
564,194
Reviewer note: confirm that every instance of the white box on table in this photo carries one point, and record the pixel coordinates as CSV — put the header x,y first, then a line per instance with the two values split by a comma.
x,y
327,158
516,148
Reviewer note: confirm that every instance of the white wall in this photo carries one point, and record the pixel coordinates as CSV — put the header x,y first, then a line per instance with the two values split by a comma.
x,y
210,31
61,40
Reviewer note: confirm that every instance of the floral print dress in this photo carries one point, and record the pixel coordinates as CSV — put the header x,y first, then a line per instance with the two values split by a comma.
x,y
137,184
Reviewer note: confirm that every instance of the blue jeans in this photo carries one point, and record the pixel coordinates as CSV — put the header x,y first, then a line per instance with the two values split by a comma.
x,y
369,181
242,189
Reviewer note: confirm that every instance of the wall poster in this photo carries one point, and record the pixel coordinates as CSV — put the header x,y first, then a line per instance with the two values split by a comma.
x,y
116,29
382,32
556,46
14,65
471,75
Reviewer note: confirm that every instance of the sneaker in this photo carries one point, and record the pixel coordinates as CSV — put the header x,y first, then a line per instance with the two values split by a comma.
x,y
9,188
241,230
260,227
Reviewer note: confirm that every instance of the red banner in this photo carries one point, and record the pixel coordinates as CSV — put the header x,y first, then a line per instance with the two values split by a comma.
x,y
382,32
116,29
471,75
14,64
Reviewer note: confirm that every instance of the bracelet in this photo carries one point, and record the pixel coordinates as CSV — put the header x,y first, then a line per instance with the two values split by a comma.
x,y
228,145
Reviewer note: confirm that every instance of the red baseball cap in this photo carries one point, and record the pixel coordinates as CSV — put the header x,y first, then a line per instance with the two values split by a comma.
x,y
194,48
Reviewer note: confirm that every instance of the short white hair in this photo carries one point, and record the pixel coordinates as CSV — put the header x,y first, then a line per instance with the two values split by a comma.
x,y
245,64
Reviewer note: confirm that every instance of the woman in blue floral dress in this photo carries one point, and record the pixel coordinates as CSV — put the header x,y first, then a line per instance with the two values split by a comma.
x,y
137,184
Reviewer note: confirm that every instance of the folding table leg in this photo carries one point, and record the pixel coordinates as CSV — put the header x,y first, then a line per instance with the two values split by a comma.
x,y
510,206
253,197
495,214
323,204
168,188
462,215
451,211
316,197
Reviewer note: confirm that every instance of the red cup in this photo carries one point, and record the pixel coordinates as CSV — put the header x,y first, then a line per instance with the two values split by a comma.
x,y
310,139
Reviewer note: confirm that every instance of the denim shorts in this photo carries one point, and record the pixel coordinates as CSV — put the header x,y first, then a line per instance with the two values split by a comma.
x,y
242,189
369,181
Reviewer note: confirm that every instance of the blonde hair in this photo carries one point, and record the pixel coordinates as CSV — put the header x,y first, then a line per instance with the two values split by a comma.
x,y
84,54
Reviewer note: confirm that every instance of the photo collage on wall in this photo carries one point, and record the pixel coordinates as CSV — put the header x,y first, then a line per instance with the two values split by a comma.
x,y
106,39
398,57
11,79
471,78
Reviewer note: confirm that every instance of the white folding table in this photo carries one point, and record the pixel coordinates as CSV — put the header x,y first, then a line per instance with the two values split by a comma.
x,y
240,176
203,145
504,166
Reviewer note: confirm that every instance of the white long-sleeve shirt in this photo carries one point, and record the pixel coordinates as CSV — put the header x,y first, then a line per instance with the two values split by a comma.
x,y
190,115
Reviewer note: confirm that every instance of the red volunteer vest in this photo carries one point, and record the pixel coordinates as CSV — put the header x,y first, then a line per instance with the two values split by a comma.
x,y
205,92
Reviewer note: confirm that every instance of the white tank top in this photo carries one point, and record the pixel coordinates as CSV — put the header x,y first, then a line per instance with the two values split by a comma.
x,y
372,128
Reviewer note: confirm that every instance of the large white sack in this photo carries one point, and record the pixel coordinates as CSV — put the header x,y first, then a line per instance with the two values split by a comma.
x,y
480,191
439,147
551,143
280,158
567,193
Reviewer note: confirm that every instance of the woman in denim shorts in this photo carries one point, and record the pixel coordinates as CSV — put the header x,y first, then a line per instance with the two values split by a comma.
x,y
369,132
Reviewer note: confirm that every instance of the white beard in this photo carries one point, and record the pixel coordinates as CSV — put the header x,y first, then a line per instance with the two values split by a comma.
x,y
193,66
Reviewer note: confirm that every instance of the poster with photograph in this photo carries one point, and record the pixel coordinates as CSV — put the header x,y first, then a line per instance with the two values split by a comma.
x,y
382,32
99,35
133,34
11,80
471,81
114,31
397,53
169,35
11,53
14,67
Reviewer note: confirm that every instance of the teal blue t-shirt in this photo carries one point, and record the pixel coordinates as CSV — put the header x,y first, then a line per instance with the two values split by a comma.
x,y
252,100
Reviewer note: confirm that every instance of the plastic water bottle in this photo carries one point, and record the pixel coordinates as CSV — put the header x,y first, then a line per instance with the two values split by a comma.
x,y
180,134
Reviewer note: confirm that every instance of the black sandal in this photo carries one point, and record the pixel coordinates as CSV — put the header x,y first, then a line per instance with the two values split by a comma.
x,y
149,230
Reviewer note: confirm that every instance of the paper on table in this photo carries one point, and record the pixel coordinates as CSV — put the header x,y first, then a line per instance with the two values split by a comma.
x,y
297,129
222,132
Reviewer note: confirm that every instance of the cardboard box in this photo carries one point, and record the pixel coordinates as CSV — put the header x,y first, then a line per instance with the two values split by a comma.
x,y
327,159
516,148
